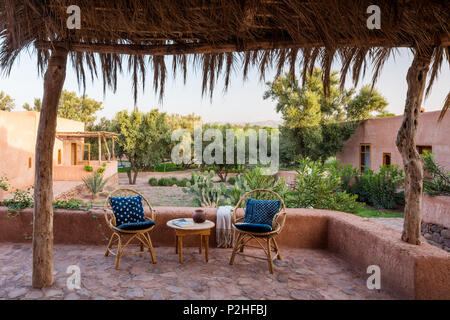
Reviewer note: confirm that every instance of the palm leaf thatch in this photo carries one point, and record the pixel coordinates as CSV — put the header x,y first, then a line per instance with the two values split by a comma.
x,y
219,36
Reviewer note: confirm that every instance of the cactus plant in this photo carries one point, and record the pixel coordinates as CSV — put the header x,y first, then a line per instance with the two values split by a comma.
x,y
239,188
203,188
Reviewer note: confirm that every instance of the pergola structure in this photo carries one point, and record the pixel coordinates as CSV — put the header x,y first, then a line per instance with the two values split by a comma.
x,y
218,36
100,135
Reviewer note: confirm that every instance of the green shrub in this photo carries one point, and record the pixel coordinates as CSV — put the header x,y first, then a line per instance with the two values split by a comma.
x,y
332,162
72,204
438,182
165,182
400,198
166,167
210,194
95,183
4,183
231,180
234,193
100,170
256,180
348,176
380,189
168,182
253,179
319,186
88,168
384,186
183,182
362,186
22,199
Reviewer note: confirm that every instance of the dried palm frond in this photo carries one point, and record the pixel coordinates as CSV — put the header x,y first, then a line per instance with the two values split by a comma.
x,y
223,35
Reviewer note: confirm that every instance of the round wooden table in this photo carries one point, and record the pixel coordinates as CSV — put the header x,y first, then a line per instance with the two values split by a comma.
x,y
201,229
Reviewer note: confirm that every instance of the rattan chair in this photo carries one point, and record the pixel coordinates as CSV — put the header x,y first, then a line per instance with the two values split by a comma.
x,y
265,240
124,238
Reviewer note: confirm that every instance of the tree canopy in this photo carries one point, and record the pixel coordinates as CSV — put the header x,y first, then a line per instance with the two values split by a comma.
x,y
144,139
367,102
37,105
316,125
72,107
6,102
78,108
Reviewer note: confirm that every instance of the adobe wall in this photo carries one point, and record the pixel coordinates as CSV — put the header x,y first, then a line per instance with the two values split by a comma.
x,y
78,227
415,272
436,220
381,133
76,173
17,145
18,132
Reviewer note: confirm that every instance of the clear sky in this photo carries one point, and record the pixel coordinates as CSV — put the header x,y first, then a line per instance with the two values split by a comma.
x,y
242,102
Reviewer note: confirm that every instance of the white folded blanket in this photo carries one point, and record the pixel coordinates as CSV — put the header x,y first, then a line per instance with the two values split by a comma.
x,y
224,230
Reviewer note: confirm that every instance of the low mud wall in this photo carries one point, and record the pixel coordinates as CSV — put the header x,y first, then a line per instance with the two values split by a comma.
x,y
436,210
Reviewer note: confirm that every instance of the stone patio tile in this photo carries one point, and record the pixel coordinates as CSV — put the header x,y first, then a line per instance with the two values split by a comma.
x,y
303,274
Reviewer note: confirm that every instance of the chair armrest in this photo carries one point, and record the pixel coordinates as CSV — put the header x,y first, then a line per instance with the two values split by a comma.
x,y
238,219
109,217
234,219
276,223
153,215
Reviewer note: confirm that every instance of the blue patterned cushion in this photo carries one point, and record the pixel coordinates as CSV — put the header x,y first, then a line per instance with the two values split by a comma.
x,y
137,225
253,227
127,209
261,211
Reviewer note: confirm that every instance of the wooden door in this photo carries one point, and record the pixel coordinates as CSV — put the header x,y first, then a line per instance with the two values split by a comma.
x,y
74,154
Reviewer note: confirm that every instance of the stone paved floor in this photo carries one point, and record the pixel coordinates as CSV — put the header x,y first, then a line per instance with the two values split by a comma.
x,y
393,223
303,274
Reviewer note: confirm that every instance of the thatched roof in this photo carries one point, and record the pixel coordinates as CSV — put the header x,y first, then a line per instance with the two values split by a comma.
x,y
222,35
86,134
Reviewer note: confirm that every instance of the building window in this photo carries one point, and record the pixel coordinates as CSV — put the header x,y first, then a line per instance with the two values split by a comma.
x,y
29,162
364,157
386,159
423,149
59,156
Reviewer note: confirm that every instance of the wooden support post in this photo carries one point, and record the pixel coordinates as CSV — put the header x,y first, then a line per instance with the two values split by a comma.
x,y
108,154
99,149
413,163
112,147
43,191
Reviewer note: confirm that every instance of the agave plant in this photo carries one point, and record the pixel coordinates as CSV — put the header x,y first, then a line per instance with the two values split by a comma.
x,y
95,183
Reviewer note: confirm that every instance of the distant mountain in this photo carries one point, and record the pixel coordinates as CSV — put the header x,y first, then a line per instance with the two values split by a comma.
x,y
266,123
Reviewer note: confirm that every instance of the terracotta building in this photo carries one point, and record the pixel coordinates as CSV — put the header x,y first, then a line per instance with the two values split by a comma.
x,y
373,143
18,131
